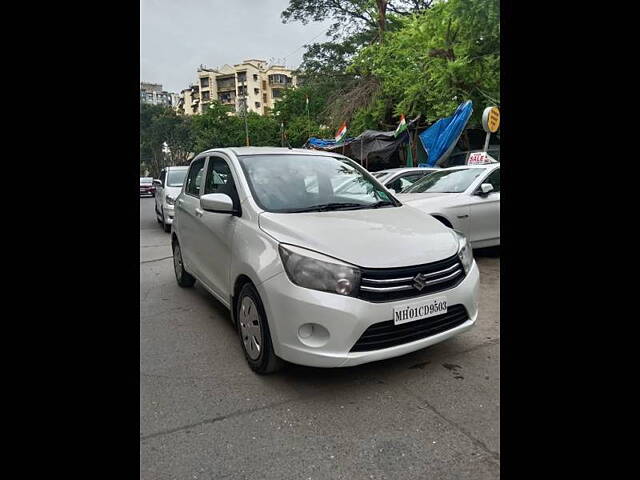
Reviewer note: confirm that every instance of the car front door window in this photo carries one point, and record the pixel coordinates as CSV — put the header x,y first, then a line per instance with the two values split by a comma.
x,y
219,178
194,179
494,180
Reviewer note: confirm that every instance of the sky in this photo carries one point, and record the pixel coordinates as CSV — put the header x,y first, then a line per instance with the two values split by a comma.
x,y
177,36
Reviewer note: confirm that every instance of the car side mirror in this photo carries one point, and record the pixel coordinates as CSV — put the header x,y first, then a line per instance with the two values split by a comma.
x,y
485,189
393,190
157,183
217,202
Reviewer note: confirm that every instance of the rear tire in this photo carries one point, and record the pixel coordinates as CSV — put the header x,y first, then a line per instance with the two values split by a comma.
x,y
184,279
253,329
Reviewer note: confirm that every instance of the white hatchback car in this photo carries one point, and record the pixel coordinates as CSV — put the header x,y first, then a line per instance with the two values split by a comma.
x,y
168,187
465,198
309,275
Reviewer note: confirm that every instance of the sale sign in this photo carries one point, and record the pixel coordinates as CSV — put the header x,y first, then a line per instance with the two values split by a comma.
x,y
478,158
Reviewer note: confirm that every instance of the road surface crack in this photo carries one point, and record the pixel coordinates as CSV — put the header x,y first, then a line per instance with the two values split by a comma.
x,y
155,260
215,419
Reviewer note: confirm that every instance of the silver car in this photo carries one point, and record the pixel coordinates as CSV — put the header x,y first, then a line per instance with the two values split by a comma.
x,y
465,198
168,187
398,179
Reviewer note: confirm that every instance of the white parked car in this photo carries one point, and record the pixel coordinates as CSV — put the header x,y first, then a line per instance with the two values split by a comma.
x,y
168,187
313,276
465,198
398,179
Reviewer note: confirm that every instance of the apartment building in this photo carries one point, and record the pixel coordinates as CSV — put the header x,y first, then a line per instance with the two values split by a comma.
x,y
154,94
253,82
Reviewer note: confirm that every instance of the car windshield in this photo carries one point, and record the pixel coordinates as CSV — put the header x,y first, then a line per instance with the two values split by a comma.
x,y
305,183
445,181
175,178
146,180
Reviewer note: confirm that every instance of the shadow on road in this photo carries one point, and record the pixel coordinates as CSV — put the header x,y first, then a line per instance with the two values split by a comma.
x,y
490,252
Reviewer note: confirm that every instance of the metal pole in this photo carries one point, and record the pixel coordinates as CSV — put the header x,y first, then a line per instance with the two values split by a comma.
x,y
308,120
486,141
244,101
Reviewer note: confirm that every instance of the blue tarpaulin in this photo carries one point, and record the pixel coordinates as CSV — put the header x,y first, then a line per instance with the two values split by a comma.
x,y
439,139
326,143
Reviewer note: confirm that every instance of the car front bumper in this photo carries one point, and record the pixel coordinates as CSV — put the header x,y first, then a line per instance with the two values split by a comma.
x,y
169,213
342,321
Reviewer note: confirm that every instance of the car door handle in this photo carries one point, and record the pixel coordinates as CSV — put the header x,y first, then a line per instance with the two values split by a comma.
x,y
199,212
463,216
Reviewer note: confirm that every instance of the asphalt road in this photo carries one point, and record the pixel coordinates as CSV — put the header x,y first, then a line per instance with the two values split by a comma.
x,y
432,414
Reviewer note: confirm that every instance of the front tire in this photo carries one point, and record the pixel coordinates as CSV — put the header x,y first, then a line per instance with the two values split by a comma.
x,y
253,328
184,279
165,226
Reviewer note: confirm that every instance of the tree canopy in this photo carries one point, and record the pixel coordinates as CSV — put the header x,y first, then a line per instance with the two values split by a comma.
x,y
383,58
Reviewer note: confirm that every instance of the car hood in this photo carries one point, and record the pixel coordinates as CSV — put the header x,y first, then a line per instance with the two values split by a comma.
x,y
412,197
374,238
430,201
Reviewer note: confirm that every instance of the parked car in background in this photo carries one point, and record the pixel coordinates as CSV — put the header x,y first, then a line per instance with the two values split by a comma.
x,y
312,275
147,187
459,158
397,179
168,187
465,198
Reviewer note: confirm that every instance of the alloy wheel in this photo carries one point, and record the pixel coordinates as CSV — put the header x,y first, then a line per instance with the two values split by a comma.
x,y
250,328
177,261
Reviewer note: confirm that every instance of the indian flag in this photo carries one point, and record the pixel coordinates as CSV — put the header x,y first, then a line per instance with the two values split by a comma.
x,y
342,131
402,126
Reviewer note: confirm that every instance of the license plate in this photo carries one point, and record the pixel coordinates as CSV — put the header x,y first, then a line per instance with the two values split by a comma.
x,y
410,312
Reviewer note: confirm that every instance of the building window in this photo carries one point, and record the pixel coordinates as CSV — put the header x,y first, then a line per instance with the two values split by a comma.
x,y
226,83
255,77
242,76
279,79
205,96
227,97
264,97
256,91
276,92
204,82
242,90
257,104
264,85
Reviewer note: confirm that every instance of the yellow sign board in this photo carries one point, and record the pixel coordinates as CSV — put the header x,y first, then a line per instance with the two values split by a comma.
x,y
491,119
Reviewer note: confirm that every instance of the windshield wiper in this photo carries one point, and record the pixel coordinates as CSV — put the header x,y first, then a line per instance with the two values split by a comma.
x,y
380,203
325,207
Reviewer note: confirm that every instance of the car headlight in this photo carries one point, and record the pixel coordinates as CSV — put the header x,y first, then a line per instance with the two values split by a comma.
x,y
316,271
465,253
170,200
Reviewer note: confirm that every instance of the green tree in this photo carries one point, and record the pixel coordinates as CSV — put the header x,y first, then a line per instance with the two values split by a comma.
x,y
166,138
438,59
218,128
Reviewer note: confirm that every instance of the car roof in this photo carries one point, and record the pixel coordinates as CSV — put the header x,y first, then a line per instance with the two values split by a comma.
x,y
407,169
177,167
483,166
248,151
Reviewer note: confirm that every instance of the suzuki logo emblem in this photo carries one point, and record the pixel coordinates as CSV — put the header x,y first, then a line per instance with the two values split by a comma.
x,y
419,281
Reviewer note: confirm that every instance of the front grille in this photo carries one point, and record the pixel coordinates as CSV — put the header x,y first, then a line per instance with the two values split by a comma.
x,y
386,334
390,284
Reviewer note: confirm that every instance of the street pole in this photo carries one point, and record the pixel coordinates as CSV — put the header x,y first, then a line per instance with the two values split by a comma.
x,y
486,142
244,101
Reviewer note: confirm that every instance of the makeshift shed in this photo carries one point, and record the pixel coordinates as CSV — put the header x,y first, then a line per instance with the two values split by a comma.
x,y
373,149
